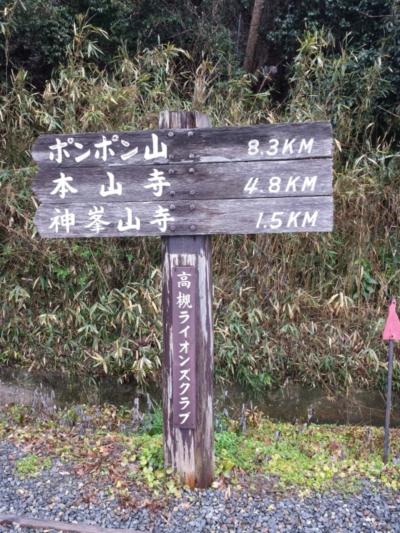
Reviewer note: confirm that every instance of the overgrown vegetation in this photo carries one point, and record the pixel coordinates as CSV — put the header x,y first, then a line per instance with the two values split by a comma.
x,y
302,307
100,445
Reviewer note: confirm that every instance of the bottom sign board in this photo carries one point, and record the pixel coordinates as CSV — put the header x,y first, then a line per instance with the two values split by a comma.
x,y
198,217
184,284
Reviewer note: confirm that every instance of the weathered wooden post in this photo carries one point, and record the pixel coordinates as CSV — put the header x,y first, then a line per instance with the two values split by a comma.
x,y
188,444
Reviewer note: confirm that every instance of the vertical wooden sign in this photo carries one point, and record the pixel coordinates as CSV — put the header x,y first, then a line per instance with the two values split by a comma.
x,y
188,447
184,283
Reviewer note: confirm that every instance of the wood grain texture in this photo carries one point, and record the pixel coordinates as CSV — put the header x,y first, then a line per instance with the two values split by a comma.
x,y
189,451
303,177
198,217
276,142
34,523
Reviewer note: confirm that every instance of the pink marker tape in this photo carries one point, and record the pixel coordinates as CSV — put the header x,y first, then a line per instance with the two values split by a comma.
x,y
392,326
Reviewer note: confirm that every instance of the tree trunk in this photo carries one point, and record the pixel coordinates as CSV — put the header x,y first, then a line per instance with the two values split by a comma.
x,y
258,7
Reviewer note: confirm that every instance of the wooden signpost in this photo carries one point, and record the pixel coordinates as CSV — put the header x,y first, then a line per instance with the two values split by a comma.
x,y
185,182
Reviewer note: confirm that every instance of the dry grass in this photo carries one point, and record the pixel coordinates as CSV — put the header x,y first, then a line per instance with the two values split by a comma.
x,y
304,307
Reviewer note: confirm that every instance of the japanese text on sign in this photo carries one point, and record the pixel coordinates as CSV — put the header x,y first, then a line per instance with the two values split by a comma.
x,y
184,346
71,149
64,221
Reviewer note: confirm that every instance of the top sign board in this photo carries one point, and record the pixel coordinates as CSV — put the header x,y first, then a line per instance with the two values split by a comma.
x,y
255,179
202,145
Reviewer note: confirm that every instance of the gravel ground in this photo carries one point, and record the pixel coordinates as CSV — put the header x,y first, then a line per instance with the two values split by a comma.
x,y
58,494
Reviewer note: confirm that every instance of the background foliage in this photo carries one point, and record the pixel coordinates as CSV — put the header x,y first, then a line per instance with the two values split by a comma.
x,y
289,307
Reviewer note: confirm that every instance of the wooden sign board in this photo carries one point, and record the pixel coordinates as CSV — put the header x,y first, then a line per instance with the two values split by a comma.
x,y
248,179
200,217
204,145
256,179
